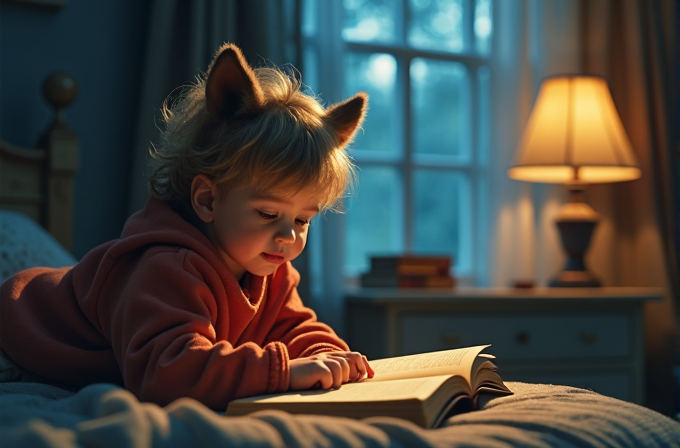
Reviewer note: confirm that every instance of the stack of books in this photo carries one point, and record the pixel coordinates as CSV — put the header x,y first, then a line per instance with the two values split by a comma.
x,y
409,271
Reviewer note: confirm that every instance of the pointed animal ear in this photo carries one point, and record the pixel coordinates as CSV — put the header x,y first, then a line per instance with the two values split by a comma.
x,y
231,83
347,117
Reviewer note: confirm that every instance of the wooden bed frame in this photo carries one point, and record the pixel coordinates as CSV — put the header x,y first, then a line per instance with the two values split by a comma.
x,y
39,182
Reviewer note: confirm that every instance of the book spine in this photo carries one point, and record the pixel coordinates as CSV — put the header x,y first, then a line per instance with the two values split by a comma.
x,y
373,280
411,270
412,264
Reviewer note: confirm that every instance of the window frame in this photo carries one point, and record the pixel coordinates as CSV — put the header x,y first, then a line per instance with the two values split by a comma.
x,y
327,76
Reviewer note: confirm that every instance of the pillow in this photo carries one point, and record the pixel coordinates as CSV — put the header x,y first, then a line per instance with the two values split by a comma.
x,y
25,244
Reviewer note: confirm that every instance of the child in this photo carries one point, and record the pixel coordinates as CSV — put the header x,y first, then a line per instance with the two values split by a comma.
x,y
198,298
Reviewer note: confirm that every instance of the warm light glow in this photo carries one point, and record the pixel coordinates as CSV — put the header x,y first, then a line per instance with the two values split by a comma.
x,y
574,133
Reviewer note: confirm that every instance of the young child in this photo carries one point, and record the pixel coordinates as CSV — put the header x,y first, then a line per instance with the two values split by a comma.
x,y
198,298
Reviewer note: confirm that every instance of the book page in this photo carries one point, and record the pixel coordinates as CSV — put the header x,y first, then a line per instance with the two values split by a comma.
x,y
460,361
361,392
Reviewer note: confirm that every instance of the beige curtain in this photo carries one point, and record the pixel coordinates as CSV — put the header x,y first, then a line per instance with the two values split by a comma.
x,y
532,40
630,43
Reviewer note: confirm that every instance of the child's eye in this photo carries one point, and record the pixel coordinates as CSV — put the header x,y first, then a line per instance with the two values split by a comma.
x,y
266,216
302,222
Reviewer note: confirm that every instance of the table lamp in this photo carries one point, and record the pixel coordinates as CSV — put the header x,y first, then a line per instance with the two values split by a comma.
x,y
575,137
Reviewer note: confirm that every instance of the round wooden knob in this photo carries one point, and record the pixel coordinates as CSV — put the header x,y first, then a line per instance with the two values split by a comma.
x,y
60,89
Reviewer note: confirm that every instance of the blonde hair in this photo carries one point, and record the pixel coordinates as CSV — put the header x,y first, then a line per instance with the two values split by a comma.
x,y
283,146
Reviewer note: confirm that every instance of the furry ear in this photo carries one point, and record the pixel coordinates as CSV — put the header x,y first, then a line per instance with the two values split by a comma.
x,y
347,117
231,83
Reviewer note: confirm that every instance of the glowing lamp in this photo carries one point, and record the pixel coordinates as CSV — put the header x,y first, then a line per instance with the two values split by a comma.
x,y
575,137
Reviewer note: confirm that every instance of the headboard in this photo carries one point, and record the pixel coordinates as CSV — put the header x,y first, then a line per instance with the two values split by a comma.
x,y
38,182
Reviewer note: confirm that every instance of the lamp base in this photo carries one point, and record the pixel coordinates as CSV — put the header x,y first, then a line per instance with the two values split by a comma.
x,y
575,279
576,222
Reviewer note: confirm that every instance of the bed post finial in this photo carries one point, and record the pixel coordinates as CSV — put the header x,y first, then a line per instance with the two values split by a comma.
x,y
60,89
63,159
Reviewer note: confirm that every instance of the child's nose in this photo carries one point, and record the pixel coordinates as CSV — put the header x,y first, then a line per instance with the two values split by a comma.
x,y
286,234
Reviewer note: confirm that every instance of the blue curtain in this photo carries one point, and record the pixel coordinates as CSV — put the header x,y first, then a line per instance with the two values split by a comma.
x,y
182,37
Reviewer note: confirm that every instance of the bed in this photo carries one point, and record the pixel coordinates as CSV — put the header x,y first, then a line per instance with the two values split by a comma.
x,y
36,225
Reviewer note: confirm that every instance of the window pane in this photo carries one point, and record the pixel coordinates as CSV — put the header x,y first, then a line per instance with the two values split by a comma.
x,y
483,26
369,20
374,73
436,25
440,107
483,100
437,212
374,220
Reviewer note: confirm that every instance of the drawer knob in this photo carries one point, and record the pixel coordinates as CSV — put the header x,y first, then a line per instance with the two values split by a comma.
x,y
588,337
523,337
451,339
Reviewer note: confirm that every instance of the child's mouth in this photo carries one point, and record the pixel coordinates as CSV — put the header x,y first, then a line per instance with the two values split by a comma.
x,y
273,258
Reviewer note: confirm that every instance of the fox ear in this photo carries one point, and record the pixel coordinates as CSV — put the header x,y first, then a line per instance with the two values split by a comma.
x,y
231,83
347,117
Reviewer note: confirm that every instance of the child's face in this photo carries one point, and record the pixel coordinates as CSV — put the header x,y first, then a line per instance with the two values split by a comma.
x,y
258,232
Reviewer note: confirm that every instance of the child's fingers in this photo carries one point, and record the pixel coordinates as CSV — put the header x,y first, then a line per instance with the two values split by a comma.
x,y
315,372
365,370
359,365
370,373
345,366
335,365
355,366
324,374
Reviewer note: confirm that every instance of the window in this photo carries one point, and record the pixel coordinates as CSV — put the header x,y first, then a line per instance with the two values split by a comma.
x,y
422,154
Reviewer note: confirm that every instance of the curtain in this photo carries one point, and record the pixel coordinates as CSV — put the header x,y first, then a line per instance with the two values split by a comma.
x,y
629,43
181,41
641,39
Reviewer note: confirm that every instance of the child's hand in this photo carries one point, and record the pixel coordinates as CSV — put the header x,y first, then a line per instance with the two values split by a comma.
x,y
326,370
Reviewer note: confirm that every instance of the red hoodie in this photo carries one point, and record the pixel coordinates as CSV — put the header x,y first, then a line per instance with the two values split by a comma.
x,y
159,312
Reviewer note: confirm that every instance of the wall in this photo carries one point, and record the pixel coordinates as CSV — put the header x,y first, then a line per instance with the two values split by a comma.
x,y
101,44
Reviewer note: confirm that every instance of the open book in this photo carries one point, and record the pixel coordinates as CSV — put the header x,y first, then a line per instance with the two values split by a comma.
x,y
423,388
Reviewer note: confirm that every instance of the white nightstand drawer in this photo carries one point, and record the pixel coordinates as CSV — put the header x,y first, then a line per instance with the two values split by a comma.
x,y
520,337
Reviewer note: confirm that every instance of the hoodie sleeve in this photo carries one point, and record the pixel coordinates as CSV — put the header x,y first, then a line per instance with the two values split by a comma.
x,y
163,316
296,325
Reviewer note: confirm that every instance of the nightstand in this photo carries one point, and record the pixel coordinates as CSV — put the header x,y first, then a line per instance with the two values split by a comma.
x,y
591,338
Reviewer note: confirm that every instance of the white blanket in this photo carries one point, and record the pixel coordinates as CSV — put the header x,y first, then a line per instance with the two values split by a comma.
x,y
36,415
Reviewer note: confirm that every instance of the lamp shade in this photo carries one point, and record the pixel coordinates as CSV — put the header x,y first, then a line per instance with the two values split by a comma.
x,y
574,134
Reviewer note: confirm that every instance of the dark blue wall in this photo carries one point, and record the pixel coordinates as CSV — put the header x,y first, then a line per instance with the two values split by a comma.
x,y
101,44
